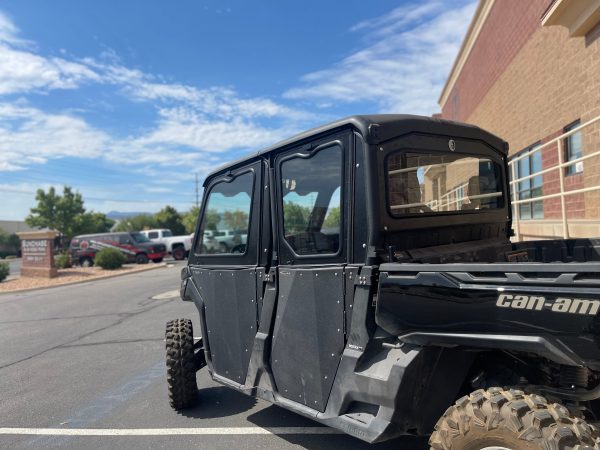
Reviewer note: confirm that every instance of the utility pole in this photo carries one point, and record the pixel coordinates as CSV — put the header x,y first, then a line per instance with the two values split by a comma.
x,y
197,203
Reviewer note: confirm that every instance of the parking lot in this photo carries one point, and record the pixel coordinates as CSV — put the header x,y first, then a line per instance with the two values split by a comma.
x,y
82,366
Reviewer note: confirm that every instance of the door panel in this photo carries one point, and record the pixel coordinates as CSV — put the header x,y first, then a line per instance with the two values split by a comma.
x,y
230,313
308,337
224,264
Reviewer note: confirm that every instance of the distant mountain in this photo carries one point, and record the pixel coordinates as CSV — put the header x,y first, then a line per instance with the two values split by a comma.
x,y
120,215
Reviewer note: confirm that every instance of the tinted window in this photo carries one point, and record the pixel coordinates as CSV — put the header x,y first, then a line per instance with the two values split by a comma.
x,y
139,237
227,209
431,183
311,189
154,234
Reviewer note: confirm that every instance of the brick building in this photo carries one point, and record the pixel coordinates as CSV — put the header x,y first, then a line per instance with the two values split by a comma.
x,y
529,71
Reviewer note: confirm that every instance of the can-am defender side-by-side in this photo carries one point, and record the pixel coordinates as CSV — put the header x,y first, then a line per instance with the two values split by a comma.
x,y
378,292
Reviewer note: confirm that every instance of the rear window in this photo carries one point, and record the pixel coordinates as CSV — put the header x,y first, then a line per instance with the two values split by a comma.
x,y
433,183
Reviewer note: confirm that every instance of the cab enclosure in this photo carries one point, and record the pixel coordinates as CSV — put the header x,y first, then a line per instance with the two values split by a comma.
x,y
376,282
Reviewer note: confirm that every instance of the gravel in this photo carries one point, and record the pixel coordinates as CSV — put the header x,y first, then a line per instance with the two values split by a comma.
x,y
70,276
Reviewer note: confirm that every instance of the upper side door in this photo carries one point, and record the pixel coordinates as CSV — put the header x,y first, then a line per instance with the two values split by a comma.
x,y
312,204
224,264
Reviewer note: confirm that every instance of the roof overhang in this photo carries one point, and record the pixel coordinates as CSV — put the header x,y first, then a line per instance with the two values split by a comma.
x,y
481,14
578,16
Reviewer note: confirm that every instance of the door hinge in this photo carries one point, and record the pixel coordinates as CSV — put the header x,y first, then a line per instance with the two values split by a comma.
x,y
268,277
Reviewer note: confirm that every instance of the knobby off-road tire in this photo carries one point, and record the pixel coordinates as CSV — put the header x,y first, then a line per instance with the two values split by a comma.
x,y
181,364
510,419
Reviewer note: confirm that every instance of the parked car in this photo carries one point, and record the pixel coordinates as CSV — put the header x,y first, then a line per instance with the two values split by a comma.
x,y
135,246
415,315
225,241
177,246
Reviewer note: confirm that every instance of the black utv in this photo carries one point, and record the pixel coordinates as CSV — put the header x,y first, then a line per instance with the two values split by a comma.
x,y
378,292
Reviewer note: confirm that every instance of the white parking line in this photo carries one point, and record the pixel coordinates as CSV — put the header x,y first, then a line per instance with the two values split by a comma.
x,y
167,295
166,431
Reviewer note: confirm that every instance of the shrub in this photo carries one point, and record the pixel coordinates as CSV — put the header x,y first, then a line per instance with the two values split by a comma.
x,y
109,259
62,261
11,257
4,271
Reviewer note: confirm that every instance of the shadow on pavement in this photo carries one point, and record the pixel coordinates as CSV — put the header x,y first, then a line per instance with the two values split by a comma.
x,y
274,416
219,401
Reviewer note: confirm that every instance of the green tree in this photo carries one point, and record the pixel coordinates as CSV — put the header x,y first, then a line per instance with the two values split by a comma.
x,y
9,243
295,217
94,222
332,219
236,220
211,219
168,217
65,213
137,223
58,212
189,219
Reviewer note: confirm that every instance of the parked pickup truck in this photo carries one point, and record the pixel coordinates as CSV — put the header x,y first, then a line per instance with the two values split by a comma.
x,y
177,246
379,292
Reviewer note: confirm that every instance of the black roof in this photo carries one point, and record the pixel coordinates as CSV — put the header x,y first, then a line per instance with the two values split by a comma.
x,y
378,128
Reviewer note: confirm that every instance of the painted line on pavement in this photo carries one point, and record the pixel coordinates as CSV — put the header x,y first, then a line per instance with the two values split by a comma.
x,y
167,295
167,431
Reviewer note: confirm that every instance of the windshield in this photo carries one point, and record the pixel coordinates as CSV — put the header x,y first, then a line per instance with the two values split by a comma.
x,y
431,183
139,238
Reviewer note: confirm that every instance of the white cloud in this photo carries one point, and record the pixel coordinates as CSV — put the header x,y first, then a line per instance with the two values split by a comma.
x,y
30,136
404,65
21,70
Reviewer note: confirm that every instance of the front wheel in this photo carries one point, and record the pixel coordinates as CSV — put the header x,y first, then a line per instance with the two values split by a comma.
x,y
141,258
510,419
181,364
178,253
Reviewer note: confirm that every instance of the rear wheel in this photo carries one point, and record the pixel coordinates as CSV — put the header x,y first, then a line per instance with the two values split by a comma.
x,y
181,364
510,419
179,253
141,258
86,262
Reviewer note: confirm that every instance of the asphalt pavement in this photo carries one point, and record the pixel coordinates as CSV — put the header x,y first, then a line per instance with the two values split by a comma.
x,y
87,361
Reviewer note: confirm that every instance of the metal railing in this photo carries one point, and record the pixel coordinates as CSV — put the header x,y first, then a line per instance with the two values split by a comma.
x,y
561,170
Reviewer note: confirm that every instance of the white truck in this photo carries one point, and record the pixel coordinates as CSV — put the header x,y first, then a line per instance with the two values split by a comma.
x,y
177,246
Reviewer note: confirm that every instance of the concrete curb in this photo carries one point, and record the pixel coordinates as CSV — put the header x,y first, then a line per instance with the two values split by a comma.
x,y
104,277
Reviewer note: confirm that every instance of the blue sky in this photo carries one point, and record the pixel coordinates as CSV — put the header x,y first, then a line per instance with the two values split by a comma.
x,y
128,101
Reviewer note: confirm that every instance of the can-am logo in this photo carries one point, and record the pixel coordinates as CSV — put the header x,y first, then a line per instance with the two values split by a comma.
x,y
559,305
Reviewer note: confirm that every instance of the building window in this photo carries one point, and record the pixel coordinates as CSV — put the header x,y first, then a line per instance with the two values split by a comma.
x,y
531,187
573,149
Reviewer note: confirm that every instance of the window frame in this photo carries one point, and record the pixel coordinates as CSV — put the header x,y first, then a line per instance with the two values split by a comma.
x,y
250,256
288,255
415,150
572,169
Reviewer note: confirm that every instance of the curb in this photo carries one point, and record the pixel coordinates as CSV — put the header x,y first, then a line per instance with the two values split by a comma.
x,y
70,283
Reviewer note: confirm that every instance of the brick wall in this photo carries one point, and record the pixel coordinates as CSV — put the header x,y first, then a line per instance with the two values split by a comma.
x,y
537,81
507,28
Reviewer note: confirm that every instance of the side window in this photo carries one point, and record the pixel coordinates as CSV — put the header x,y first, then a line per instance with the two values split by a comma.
x,y
153,235
226,219
123,239
311,197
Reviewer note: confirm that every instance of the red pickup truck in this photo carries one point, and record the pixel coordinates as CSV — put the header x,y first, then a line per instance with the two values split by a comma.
x,y
135,246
